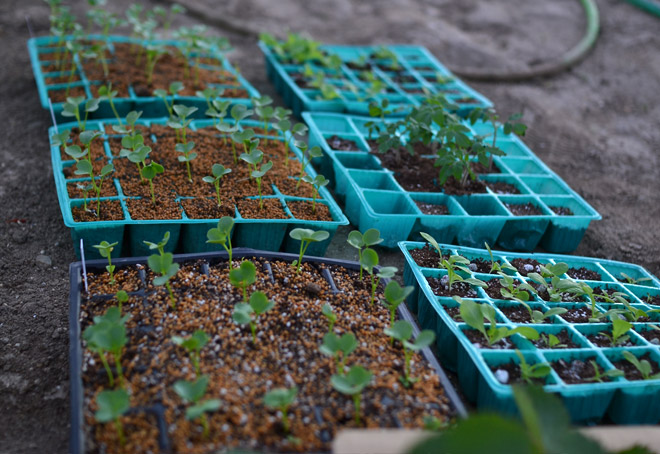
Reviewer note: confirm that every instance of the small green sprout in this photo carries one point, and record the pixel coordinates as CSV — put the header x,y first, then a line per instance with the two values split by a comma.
x,y
338,348
186,149
584,289
135,150
511,291
222,235
284,126
61,139
557,286
352,384
163,264
174,88
105,249
394,296
149,172
402,331
209,94
122,297
537,316
194,345
619,330
434,424
359,241
377,110
265,112
630,280
369,262
306,237
239,112
245,314
281,399
529,372
218,111
328,313
317,183
258,175
180,121
106,92
193,392
496,267
111,406
473,315
643,366
551,341
153,53
71,109
131,119
314,152
600,376
243,276
218,171
108,335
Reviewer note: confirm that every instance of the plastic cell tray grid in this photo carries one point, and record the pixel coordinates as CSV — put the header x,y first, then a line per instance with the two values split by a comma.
x,y
41,57
623,401
187,235
375,199
418,79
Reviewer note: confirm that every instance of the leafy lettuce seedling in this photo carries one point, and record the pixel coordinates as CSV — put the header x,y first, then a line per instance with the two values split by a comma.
x,y
193,344
245,314
643,366
218,171
105,249
495,266
306,237
359,241
243,276
193,392
551,341
317,183
222,235
339,348
352,384
600,376
281,399
111,406
530,372
511,291
163,264
619,330
402,331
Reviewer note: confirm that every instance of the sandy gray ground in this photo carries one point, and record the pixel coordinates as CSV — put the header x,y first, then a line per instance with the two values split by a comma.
x,y
596,126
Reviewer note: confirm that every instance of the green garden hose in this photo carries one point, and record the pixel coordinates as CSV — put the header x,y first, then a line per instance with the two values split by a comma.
x,y
650,6
569,59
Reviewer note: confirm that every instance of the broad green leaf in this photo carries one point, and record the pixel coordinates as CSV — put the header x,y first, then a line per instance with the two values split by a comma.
x,y
401,330
112,404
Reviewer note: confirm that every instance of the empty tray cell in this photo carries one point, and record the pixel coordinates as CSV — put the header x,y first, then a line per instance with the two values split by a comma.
x,y
482,205
361,161
512,148
544,185
369,179
523,165
345,142
334,124
387,202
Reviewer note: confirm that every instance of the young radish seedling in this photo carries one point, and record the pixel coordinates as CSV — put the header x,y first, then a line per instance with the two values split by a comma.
x,y
188,155
111,406
222,235
122,297
239,112
180,121
359,241
314,152
317,183
149,172
394,296
284,126
369,262
193,344
108,335
330,315
193,392
163,264
339,348
174,88
105,249
402,331
281,399
248,314
306,237
243,276
71,108
352,385
218,111
218,171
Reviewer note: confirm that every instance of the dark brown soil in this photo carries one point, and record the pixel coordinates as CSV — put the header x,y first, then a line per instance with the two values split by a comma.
x,y
427,257
462,289
495,286
110,211
272,209
482,266
76,192
584,274
654,300
518,314
500,187
562,211
525,266
61,94
631,372
241,372
651,335
341,144
432,208
303,209
601,341
577,315
524,209
201,208
564,339
577,371
513,370
479,341
164,208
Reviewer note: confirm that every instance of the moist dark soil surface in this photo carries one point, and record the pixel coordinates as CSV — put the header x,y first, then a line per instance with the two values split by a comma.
x,y
577,315
479,341
584,274
500,187
517,314
432,208
631,372
577,371
651,335
513,374
495,286
462,289
341,144
526,266
561,211
427,257
564,340
524,209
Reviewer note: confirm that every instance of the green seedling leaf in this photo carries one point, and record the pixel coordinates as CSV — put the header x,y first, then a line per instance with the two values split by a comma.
x,y
112,405
260,303
424,339
280,397
243,276
191,391
206,406
353,382
401,330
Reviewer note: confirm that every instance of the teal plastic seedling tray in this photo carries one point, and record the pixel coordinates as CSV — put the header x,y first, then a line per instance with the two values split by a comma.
x,y
187,235
42,57
374,198
417,79
622,401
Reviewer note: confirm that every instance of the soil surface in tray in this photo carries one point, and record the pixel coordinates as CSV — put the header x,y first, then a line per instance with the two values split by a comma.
x,y
340,144
564,341
427,257
241,372
431,208
578,371
518,314
110,210
509,373
584,274
651,335
525,266
577,315
500,187
524,209
440,287
631,372
561,211
479,341
174,184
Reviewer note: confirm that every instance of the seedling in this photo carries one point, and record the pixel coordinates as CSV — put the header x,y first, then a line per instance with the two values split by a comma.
x,y
243,276
352,384
218,171
245,314
105,249
108,335
131,118
537,316
556,287
61,139
239,112
111,406
194,345
281,399
512,125
329,314
122,297
496,266
163,264
600,376
306,237
551,341
338,348
265,112
377,110
71,108
251,154
314,152
583,289
369,261
317,183
359,241
149,172
174,88
209,94
258,175
283,126
520,292
434,424
180,121
453,265
106,92
188,155
218,111
402,331
222,235
473,314
530,372
153,53
630,280
619,330
643,366
192,392
135,150
394,296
